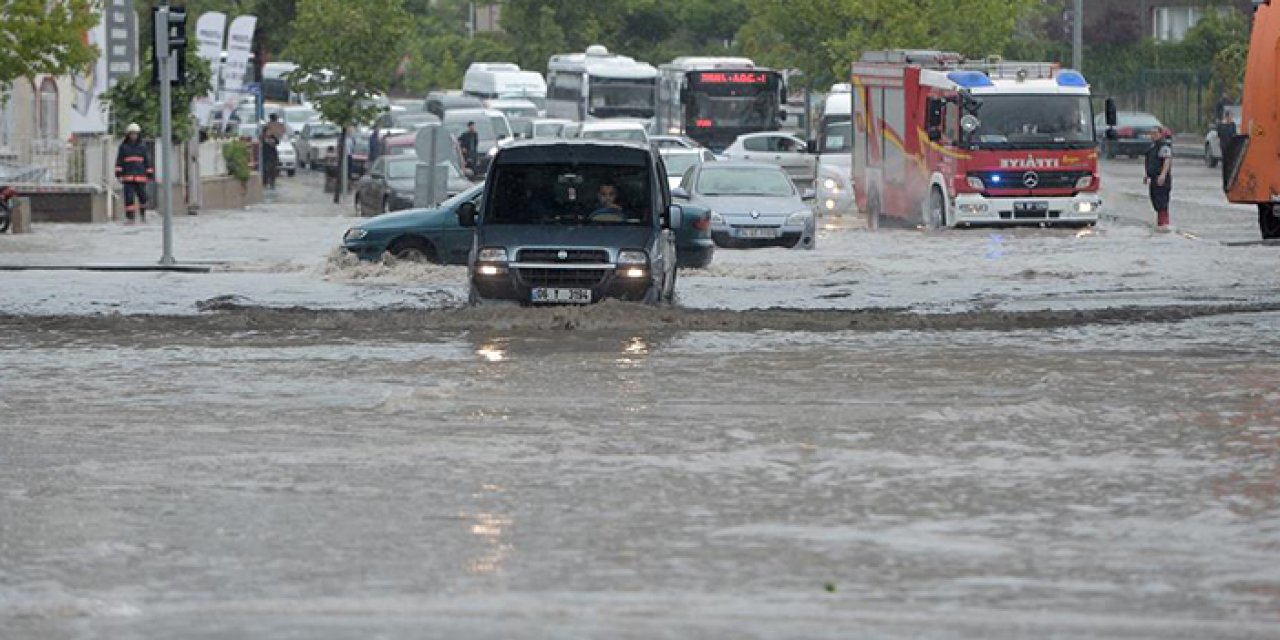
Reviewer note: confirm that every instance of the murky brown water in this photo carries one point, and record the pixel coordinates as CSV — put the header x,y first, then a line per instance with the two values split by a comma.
x,y
192,478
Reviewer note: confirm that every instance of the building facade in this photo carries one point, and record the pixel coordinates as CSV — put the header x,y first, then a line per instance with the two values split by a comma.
x,y
1164,20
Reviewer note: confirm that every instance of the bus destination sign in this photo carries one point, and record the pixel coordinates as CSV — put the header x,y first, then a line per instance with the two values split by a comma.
x,y
733,77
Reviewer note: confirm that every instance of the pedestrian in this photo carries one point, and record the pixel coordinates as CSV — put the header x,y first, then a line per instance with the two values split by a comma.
x,y
134,170
275,128
270,162
374,151
470,141
1159,175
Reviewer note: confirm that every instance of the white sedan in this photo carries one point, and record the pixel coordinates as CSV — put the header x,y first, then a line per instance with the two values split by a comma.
x,y
288,158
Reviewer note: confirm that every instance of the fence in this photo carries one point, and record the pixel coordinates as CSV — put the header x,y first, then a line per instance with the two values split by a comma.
x,y
1181,98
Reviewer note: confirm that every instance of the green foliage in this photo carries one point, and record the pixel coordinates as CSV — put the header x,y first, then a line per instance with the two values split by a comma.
x,y
137,100
823,37
236,154
347,52
42,37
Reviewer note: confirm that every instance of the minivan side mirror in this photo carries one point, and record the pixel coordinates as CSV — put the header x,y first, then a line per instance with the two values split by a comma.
x,y
467,214
675,216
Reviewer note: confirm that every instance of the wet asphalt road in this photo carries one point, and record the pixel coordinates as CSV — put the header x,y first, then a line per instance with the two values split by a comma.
x,y
1107,481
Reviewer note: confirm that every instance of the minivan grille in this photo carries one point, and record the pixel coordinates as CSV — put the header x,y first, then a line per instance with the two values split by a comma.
x,y
560,278
572,256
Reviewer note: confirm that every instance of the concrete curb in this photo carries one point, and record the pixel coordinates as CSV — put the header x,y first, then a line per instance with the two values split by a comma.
x,y
112,268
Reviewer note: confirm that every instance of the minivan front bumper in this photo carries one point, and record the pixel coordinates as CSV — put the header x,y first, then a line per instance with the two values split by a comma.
x,y
516,281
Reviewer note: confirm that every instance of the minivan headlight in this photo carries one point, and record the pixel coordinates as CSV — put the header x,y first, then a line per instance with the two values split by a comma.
x,y
492,254
632,257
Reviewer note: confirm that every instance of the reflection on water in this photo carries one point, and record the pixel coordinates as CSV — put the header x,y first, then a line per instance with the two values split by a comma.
x,y
495,351
489,527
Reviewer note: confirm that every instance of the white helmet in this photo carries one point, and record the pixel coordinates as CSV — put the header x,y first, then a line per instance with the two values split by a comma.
x,y
133,128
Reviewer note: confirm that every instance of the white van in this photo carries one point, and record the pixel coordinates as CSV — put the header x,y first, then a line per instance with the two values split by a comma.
x,y
502,80
834,183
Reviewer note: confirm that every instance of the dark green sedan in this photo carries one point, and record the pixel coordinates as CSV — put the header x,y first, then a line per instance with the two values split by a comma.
x,y
416,234
434,234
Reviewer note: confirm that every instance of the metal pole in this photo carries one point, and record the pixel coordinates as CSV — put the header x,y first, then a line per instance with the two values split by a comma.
x,y
1077,36
167,71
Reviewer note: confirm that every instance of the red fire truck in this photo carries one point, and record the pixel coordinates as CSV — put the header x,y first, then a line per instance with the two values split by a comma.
x,y
941,141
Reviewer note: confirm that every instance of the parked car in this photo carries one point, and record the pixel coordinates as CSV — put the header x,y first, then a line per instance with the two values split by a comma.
x,y
515,107
1213,146
573,222
753,204
314,141
439,103
390,184
1133,133
679,160
782,149
611,131
539,128
395,123
295,118
288,158
433,234
674,142
456,122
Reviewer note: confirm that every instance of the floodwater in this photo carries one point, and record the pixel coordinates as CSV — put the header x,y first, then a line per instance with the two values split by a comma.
x,y
280,476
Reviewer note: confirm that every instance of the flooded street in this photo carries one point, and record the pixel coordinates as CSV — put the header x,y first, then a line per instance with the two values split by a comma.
x,y
229,478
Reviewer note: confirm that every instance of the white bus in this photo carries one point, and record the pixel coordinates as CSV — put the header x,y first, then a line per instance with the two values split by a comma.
x,y
715,100
596,85
490,81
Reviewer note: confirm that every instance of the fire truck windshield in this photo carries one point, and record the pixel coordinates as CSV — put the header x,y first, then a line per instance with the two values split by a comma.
x,y
1034,122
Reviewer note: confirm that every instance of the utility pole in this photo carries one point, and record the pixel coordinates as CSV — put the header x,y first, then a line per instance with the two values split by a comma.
x,y
1077,36
166,126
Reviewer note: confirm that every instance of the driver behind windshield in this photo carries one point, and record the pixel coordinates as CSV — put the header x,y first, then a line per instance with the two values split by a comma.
x,y
609,210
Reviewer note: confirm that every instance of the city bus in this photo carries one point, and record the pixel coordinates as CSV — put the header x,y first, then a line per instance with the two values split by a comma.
x,y
715,100
597,84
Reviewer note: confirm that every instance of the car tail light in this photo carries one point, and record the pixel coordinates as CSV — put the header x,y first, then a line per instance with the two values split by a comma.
x,y
703,223
1125,132
704,123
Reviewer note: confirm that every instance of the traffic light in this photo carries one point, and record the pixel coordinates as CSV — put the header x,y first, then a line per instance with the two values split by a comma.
x,y
170,25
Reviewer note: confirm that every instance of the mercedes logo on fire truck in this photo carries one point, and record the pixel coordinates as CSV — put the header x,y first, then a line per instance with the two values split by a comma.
x,y
563,255
1030,179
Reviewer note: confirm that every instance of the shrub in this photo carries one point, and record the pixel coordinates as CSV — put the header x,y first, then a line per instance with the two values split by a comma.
x,y
236,153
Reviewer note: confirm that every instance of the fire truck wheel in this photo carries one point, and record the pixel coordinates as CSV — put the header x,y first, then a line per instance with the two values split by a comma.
x,y
1269,222
935,215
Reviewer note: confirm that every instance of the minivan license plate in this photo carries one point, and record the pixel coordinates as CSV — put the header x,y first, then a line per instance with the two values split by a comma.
x,y
560,296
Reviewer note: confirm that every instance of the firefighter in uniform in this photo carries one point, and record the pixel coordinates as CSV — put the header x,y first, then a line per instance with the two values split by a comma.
x,y
134,170
1159,176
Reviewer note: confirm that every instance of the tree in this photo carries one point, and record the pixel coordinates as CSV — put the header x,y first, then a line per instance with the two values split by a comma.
x,y
45,37
137,100
823,37
347,53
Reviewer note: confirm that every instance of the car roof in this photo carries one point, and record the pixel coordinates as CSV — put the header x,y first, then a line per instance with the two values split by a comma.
x,y
681,151
743,164
612,126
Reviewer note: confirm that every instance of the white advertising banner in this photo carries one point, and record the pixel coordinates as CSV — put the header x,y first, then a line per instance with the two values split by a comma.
x,y
239,47
88,113
210,31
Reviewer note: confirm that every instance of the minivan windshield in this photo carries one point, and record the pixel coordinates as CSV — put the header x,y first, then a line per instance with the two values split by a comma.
x,y
569,194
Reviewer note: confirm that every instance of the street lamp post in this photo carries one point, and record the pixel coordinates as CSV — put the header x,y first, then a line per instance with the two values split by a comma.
x,y
1077,36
